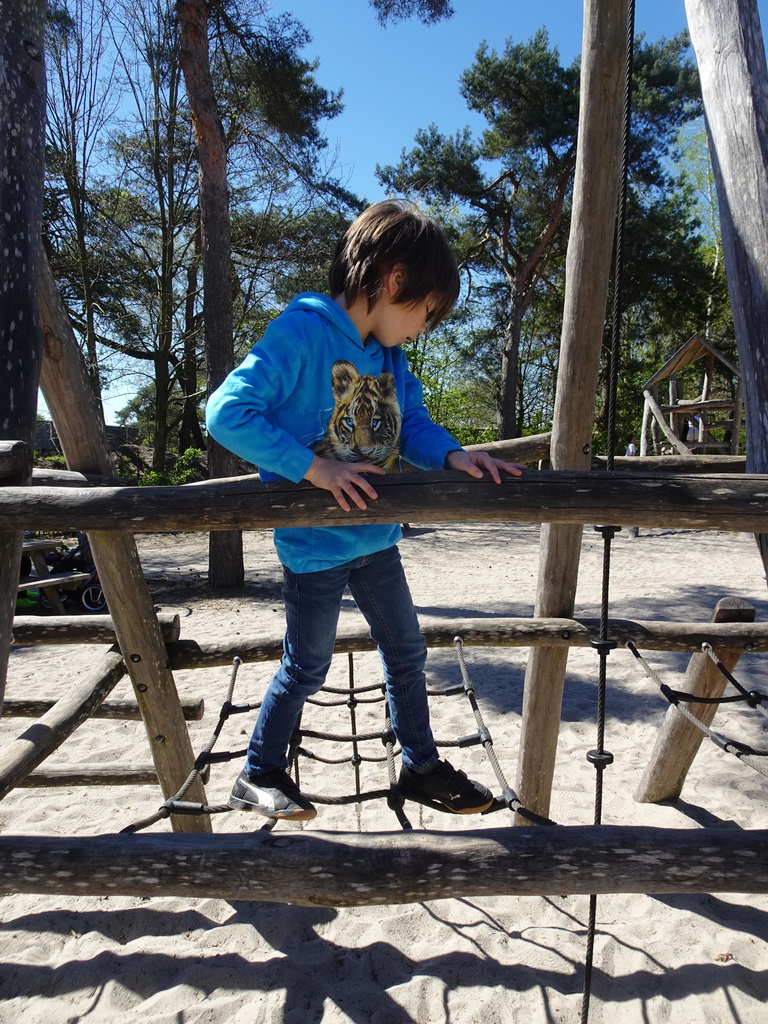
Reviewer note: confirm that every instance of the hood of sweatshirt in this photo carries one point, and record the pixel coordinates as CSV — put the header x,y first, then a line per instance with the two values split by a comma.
x,y
323,305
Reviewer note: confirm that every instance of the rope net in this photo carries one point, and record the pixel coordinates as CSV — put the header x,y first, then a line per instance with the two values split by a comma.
x,y
359,751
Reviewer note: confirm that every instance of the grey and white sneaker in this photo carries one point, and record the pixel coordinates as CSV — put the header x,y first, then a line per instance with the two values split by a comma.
x,y
272,793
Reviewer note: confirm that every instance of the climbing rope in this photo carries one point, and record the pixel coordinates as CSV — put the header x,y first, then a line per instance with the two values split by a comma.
x,y
679,698
599,757
393,795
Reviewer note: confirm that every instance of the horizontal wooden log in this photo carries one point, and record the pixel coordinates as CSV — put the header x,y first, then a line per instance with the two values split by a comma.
x,y
42,737
121,710
44,477
647,635
15,461
688,405
65,580
674,463
721,502
517,449
91,775
30,630
364,869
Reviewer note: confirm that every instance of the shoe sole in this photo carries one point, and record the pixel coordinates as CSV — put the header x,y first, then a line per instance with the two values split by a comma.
x,y
439,805
298,814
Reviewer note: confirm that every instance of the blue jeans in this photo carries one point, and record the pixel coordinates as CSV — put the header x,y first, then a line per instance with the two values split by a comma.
x,y
312,605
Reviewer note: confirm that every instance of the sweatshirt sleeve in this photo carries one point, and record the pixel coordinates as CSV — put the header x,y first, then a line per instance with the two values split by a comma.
x,y
236,414
423,442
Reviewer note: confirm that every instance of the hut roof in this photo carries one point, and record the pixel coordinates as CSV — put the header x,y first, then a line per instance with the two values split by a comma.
x,y
693,350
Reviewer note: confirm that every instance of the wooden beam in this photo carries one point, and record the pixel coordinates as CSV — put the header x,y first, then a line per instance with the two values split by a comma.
x,y
712,502
123,710
674,463
517,449
553,632
379,868
19,757
91,775
15,461
44,477
678,739
82,433
30,630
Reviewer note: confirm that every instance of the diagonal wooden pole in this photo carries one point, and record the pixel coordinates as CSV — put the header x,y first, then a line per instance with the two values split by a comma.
x,y
82,434
588,268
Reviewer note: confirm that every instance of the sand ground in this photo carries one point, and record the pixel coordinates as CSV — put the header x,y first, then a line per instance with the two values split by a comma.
x,y
701,959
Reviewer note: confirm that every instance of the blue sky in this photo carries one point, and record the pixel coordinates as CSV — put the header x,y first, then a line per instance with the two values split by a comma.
x,y
403,77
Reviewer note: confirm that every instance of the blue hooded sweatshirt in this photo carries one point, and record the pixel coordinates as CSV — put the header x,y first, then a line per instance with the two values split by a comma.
x,y
311,385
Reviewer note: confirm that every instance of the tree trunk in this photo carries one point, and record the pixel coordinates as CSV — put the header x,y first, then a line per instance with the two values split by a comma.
x,y
728,42
226,549
510,359
190,432
22,148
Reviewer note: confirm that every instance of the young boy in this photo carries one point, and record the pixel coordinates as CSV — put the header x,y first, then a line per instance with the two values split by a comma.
x,y
326,396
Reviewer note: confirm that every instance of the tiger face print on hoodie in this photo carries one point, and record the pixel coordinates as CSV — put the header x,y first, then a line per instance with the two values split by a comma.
x,y
365,423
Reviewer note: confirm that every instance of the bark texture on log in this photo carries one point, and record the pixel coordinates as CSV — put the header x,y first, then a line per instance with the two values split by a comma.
x,y
647,635
365,869
730,502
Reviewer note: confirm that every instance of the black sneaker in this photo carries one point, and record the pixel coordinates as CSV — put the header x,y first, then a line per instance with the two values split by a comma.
x,y
446,786
273,794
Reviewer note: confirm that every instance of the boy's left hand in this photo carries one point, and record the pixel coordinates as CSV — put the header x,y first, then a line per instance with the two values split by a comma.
x,y
474,463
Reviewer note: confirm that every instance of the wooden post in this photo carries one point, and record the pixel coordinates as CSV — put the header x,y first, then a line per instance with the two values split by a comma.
x,y
337,869
588,269
82,433
22,153
729,47
679,740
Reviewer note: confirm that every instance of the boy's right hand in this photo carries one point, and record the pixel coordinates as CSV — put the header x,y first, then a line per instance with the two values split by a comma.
x,y
343,480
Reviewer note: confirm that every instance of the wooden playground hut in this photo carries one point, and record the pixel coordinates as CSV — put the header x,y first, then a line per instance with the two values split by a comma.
x,y
592,859
692,421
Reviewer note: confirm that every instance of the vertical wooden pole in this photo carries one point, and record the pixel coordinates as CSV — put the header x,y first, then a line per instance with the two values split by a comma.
x,y
81,430
679,740
22,142
588,270
728,42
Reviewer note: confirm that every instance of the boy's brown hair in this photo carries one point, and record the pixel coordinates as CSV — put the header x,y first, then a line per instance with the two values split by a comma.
x,y
385,235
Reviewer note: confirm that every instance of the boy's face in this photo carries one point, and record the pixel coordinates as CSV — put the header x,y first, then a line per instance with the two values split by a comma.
x,y
394,323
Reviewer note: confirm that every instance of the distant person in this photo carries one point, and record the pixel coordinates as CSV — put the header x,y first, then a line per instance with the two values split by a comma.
x,y
632,531
327,396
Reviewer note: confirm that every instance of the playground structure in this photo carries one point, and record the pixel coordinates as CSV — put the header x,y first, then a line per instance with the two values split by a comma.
x,y
563,499
690,428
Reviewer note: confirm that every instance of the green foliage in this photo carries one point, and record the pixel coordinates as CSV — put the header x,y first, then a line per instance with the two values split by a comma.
x,y
509,191
122,231
428,11
185,468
